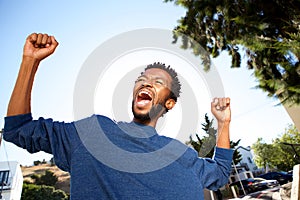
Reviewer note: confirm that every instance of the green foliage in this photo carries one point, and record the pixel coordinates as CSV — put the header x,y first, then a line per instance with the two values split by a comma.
x,y
288,145
48,179
52,162
264,153
267,31
227,192
40,192
205,145
282,154
237,157
37,162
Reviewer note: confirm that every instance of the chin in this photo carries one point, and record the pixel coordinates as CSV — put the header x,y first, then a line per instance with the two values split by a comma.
x,y
138,113
143,116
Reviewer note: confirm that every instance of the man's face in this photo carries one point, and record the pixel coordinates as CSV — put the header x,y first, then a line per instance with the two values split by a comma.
x,y
150,93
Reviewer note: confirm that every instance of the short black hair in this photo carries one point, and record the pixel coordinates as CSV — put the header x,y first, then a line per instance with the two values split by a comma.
x,y
176,85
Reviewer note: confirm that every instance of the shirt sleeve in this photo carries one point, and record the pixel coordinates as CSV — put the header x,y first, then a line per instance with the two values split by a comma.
x,y
214,173
57,138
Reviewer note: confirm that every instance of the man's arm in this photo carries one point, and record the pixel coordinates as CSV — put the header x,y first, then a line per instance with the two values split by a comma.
x,y
220,108
36,48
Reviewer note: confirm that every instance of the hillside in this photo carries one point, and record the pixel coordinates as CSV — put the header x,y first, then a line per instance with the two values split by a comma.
x,y
63,177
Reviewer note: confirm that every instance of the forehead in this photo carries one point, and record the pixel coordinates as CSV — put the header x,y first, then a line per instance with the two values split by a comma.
x,y
158,73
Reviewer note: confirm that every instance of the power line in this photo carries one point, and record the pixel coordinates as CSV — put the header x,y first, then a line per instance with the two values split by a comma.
x,y
252,110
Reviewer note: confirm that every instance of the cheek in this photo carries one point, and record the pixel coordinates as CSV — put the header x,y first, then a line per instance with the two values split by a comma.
x,y
135,88
163,95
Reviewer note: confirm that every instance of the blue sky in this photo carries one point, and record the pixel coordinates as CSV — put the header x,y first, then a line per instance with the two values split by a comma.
x,y
82,26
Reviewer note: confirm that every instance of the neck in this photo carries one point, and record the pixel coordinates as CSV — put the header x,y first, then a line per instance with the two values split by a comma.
x,y
149,122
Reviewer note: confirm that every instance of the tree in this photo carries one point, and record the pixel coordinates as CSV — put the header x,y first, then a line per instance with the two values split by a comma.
x,y
288,144
264,154
282,153
38,192
52,162
205,145
266,32
37,162
48,179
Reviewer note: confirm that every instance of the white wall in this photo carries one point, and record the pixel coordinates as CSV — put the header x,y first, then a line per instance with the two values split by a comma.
x,y
247,157
15,181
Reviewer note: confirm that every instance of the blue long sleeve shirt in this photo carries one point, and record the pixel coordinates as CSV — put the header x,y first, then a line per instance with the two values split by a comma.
x,y
110,160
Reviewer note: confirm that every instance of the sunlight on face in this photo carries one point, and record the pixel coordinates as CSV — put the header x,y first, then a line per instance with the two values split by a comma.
x,y
115,84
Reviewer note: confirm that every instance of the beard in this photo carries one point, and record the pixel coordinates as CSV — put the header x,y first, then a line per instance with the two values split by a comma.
x,y
153,113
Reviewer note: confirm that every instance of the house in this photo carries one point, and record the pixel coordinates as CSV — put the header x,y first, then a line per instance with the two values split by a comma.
x,y
11,180
247,158
246,168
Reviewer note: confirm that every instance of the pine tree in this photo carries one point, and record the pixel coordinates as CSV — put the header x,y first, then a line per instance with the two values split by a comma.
x,y
205,145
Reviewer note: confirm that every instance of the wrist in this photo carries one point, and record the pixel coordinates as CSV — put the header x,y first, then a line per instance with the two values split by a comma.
x,y
30,63
223,123
28,58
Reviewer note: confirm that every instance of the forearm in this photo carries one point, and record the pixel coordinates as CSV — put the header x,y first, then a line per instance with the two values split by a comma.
x,y
223,139
37,47
20,99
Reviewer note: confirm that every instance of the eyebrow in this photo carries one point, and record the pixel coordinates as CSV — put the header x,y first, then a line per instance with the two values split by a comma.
x,y
154,77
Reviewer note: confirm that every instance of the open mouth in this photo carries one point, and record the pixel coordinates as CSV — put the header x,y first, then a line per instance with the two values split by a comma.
x,y
143,98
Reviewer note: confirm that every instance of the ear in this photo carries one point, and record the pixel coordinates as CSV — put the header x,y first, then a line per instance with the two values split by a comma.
x,y
170,103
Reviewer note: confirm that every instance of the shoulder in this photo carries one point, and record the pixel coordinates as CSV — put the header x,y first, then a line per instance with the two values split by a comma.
x,y
94,119
94,124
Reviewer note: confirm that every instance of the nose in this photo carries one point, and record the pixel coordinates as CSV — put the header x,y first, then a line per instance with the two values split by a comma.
x,y
147,83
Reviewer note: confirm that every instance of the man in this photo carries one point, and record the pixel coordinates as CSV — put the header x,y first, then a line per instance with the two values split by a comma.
x,y
109,160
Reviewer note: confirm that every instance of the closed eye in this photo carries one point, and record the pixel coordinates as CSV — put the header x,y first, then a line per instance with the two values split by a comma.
x,y
160,82
140,79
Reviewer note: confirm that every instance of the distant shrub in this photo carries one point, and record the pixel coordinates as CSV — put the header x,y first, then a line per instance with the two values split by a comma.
x,y
36,163
42,192
48,179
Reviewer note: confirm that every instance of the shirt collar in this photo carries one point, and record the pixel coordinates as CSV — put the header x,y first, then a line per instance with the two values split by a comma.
x,y
138,130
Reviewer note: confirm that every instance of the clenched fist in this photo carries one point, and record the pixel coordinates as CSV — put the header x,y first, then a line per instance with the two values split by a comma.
x,y
220,108
39,46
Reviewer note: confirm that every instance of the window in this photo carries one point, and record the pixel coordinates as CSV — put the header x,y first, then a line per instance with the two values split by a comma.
x,y
4,177
248,175
249,159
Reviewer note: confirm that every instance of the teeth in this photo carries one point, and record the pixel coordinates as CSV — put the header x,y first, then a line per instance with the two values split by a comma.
x,y
145,92
145,95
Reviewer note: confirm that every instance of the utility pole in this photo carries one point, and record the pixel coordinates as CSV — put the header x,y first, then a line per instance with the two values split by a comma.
x,y
1,131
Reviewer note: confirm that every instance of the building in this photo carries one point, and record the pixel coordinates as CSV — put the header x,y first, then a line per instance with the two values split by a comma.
x,y
11,180
247,158
246,168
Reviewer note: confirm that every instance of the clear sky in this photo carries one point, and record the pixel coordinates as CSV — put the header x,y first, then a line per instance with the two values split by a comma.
x,y
80,27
